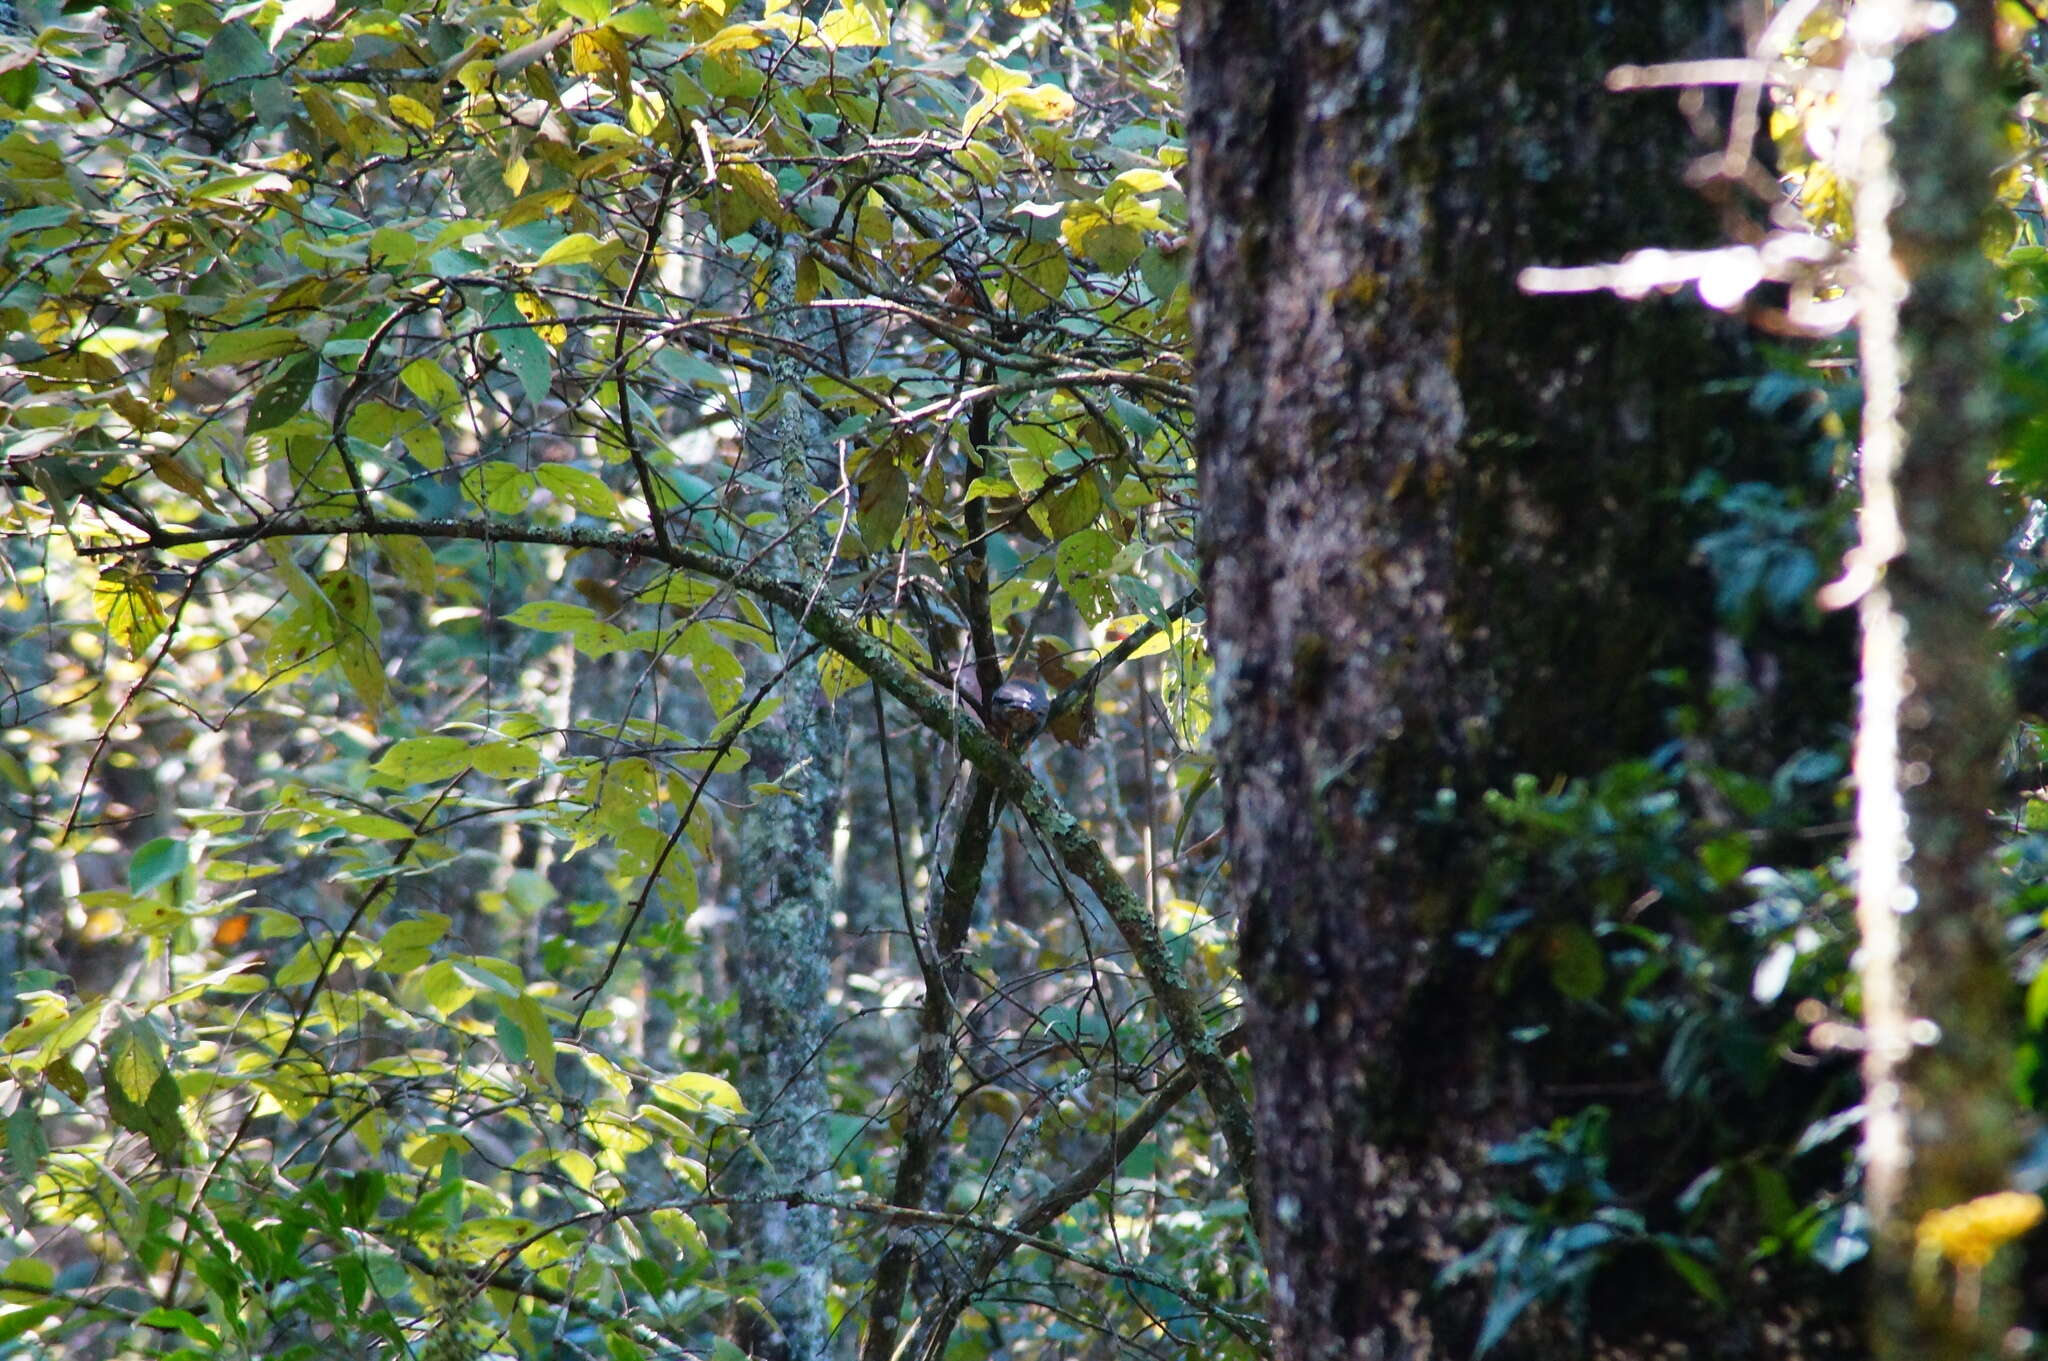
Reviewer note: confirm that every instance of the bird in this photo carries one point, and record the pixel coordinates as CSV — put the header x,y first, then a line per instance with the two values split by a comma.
x,y
1017,710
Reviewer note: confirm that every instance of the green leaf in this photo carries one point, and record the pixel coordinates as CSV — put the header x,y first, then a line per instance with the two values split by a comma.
x,y
526,354
411,112
1072,508
1502,1310
511,1039
156,862
1048,103
393,246
16,1322
641,21
303,643
27,1142
526,1015
854,24
246,347
30,1271
700,1091
501,488
424,443
506,760
580,488
241,187
995,77
34,220
432,384
2037,1000
284,396
729,77
142,1096
444,989
1083,563
884,496
552,616
356,633
421,760
1163,273
1038,275
18,84
1695,1274
235,51
409,559
1139,181
717,670
1028,472
183,1320
1577,967
1113,246
406,945
1726,858
487,979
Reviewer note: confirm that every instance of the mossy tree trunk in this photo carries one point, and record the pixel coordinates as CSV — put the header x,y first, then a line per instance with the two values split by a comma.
x,y
1942,1123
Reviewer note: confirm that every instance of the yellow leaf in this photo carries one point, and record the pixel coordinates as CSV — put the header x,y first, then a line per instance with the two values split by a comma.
x,y
1048,103
733,38
409,110
699,1090
573,249
538,311
601,52
175,474
125,600
853,24
997,79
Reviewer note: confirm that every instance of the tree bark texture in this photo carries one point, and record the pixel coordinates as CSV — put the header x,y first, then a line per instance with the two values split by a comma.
x,y
786,914
1442,545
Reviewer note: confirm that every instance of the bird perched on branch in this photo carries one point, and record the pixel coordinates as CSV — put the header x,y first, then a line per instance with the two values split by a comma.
x,y
1018,710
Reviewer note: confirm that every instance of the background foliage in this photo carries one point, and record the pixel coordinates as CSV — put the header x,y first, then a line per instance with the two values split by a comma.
x,y
375,785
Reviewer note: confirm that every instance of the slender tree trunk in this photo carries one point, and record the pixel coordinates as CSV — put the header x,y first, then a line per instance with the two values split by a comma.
x,y
1941,1123
1442,545
786,915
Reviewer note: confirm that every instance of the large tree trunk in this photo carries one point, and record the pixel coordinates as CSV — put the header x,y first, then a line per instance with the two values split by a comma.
x,y
1442,545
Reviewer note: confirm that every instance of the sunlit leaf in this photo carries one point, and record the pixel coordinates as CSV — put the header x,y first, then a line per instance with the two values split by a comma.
x,y
124,599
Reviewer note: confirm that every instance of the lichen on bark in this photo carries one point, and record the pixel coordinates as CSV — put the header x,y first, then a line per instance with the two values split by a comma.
x,y
786,904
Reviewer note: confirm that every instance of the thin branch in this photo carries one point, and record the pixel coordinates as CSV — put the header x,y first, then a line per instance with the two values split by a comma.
x,y
1039,1216
1081,689
1723,71
656,515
